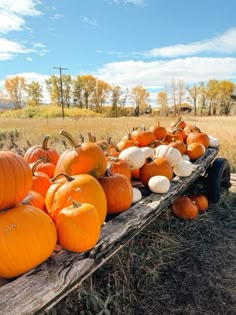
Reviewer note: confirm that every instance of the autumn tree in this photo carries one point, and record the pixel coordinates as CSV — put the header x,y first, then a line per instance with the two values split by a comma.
x,y
53,87
162,102
34,93
115,97
15,88
174,95
67,89
193,94
212,88
139,96
100,94
88,85
77,91
226,101
180,91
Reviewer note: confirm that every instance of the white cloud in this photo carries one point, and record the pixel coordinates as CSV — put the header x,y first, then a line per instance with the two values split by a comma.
x,y
155,74
8,49
225,43
87,20
10,22
29,59
22,7
139,3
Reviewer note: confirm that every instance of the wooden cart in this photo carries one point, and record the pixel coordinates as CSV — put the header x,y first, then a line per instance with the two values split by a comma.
x,y
38,290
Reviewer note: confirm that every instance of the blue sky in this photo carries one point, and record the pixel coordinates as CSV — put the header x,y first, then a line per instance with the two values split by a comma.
x,y
123,42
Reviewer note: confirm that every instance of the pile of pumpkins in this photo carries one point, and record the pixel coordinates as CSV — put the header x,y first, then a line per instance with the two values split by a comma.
x,y
48,199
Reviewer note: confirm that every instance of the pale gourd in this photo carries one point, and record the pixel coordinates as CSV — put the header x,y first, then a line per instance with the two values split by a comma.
x,y
185,157
148,152
213,142
134,156
159,184
183,168
171,154
137,195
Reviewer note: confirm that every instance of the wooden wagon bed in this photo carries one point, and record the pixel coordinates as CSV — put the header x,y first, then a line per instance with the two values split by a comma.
x,y
41,288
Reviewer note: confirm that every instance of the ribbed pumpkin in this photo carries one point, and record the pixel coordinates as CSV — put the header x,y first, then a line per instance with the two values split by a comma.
x,y
44,166
78,227
16,179
83,188
200,201
118,191
27,238
171,154
86,158
184,208
33,198
158,166
38,151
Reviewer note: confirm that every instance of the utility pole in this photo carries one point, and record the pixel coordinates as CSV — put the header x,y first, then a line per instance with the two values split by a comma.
x,y
62,100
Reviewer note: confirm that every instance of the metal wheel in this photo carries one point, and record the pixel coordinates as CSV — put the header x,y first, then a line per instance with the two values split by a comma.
x,y
218,179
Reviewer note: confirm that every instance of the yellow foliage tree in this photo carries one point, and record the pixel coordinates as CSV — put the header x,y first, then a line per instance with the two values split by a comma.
x,y
15,88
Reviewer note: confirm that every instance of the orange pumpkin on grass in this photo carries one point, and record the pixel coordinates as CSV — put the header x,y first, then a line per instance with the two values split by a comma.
x,y
184,208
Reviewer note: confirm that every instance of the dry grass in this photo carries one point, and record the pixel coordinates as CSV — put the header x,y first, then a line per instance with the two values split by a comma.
x,y
32,131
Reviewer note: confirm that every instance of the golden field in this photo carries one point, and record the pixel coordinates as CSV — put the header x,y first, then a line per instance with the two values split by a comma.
x,y
29,131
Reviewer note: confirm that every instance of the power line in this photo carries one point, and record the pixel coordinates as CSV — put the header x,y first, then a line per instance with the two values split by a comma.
x,y
62,99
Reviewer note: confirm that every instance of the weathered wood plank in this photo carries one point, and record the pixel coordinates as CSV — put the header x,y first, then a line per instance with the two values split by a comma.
x,y
44,286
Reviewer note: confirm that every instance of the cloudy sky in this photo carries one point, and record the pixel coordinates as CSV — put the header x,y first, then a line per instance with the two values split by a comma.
x,y
124,42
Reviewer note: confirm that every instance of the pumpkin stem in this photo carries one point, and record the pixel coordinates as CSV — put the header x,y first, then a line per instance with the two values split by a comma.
x,y
68,178
177,121
69,137
45,143
75,203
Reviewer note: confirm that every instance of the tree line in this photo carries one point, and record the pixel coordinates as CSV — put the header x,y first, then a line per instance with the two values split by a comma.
x,y
86,91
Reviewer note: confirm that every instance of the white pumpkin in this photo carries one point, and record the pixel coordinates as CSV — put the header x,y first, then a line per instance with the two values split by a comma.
x,y
137,195
134,156
159,184
213,142
185,157
148,152
171,154
183,168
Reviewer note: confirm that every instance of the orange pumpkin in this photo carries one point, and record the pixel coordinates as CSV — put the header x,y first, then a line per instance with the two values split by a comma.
x,y
37,152
158,131
179,145
201,202
119,166
41,181
87,158
33,198
143,137
184,208
126,142
83,188
27,238
45,167
199,137
158,166
195,150
16,179
118,191
78,227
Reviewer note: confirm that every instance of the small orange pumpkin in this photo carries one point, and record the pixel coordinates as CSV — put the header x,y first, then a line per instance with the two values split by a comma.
x,y
37,152
118,191
33,198
195,150
184,208
201,202
143,137
199,137
119,166
78,227
158,131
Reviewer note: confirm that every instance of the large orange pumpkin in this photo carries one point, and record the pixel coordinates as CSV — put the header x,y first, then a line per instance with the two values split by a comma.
x,y
27,237
184,208
15,180
199,137
83,188
87,158
38,151
143,137
117,165
78,227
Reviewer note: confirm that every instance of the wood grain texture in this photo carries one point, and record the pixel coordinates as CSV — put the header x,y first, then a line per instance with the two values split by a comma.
x,y
41,288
